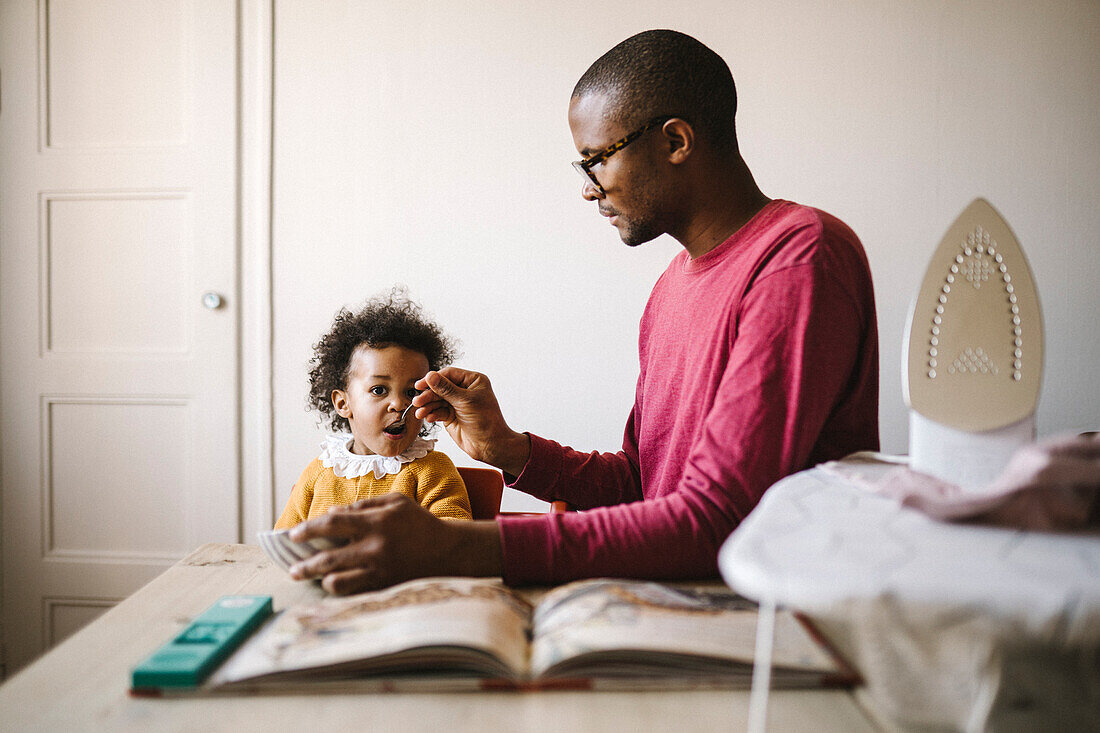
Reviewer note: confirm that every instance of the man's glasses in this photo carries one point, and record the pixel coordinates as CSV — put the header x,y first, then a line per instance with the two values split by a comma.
x,y
584,167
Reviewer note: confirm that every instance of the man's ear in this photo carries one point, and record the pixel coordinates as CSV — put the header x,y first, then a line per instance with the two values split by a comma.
x,y
680,137
340,402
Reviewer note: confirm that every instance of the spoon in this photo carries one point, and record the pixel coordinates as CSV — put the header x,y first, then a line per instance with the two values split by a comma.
x,y
401,420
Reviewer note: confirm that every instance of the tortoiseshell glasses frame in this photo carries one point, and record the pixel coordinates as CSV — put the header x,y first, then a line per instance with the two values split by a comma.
x,y
584,167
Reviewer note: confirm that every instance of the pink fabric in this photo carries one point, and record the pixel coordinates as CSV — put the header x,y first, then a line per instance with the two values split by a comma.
x,y
757,360
1050,485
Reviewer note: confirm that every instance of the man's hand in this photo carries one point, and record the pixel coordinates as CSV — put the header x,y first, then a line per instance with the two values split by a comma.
x,y
464,402
392,539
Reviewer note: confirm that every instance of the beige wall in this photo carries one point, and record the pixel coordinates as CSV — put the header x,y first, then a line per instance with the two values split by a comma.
x,y
426,143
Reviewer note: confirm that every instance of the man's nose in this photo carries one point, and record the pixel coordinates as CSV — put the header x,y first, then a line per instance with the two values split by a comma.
x,y
590,192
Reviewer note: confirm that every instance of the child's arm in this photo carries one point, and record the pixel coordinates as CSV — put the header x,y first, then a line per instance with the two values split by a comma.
x,y
440,489
301,497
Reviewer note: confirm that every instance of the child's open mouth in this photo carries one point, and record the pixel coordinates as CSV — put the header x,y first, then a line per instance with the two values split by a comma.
x,y
395,429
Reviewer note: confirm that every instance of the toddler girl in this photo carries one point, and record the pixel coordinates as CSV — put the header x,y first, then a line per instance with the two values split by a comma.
x,y
362,380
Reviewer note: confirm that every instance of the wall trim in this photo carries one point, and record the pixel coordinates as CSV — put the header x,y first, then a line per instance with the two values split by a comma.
x,y
256,98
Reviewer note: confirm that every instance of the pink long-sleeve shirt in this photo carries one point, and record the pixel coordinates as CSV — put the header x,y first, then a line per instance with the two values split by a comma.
x,y
758,359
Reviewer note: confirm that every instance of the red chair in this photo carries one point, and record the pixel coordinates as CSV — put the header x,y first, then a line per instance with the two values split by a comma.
x,y
485,486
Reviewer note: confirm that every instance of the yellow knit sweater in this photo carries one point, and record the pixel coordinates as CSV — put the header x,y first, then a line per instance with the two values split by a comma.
x,y
431,481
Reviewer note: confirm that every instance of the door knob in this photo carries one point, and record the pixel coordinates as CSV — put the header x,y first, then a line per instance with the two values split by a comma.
x,y
212,300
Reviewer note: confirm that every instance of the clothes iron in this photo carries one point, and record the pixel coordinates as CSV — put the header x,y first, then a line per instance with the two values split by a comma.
x,y
973,360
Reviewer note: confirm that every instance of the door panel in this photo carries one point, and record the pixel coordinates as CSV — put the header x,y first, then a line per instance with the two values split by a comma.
x,y
128,444
118,210
65,616
96,95
93,245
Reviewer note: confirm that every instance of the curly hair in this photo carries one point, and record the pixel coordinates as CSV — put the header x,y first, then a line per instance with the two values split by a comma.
x,y
385,320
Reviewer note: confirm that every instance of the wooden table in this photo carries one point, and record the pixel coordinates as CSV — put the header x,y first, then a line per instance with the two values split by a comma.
x,y
82,683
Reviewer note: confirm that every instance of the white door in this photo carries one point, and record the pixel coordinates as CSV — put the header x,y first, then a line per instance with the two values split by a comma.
x,y
118,211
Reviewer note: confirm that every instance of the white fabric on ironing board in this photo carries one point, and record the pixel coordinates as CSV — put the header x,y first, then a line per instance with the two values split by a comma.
x,y
1050,485
939,618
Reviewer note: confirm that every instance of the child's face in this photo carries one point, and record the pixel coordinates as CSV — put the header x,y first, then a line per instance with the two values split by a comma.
x,y
380,386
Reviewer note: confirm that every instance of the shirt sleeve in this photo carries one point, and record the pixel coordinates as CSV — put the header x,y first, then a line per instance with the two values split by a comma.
x,y
798,336
301,497
584,480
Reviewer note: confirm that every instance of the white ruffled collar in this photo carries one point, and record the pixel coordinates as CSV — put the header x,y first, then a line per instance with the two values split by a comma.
x,y
336,454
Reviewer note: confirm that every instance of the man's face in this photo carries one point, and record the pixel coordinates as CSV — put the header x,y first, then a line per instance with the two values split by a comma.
x,y
630,198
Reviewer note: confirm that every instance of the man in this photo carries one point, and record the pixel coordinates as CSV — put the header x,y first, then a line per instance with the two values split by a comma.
x,y
758,354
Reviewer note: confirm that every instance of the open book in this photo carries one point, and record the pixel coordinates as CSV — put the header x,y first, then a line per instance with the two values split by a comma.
x,y
442,634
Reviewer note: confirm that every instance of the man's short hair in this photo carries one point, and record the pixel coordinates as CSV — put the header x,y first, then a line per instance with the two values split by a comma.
x,y
663,72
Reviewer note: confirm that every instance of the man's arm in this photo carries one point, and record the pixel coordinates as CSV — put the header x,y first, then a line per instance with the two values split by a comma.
x,y
392,539
777,391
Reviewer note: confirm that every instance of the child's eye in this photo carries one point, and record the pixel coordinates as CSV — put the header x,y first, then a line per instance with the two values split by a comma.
x,y
410,393
378,390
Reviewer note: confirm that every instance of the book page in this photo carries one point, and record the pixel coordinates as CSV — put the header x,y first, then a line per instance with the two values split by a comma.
x,y
623,627
435,624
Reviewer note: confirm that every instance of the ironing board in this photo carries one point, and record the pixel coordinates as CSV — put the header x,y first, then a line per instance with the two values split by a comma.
x,y
952,626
